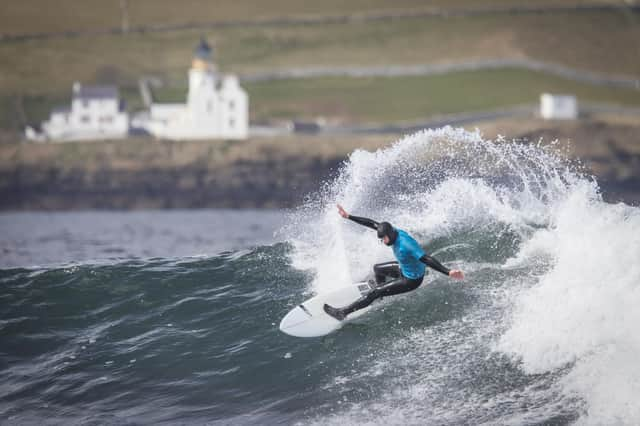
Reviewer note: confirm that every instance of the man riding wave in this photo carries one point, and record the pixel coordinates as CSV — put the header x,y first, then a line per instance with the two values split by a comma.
x,y
407,272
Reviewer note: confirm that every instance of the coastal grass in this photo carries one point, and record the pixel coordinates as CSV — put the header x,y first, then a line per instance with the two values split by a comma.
x,y
46,16
389,100
600,41
144,153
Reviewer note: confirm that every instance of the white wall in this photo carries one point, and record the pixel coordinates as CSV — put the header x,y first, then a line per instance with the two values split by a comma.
x,y
209,113
166,112
235,107
88,119
558,107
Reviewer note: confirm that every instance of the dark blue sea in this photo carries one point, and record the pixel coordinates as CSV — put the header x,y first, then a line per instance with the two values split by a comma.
x,y
171,317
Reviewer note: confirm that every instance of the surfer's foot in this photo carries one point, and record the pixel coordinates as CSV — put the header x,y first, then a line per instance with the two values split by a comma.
x,y
334,312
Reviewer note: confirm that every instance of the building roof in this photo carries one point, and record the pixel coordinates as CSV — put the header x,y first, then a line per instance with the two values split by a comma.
x,y
203,51
95,92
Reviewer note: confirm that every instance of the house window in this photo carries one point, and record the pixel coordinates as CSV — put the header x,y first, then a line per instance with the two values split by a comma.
x,y
85,119
208,106
232,105
85,103
232,122
106,119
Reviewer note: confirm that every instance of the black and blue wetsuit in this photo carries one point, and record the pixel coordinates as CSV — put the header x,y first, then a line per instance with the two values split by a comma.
x,y
406,273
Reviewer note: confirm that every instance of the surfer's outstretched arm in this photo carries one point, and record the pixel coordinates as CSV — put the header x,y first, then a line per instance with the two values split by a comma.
x,y
434,264
369,223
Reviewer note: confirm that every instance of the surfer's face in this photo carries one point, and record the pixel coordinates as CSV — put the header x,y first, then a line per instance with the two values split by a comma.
x,y
386,240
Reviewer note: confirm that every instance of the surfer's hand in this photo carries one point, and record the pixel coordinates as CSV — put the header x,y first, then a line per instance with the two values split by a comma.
x,y
342,212
457,274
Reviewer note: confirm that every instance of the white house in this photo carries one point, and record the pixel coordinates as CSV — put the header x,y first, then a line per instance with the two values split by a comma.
x,y
217,107
96,113
558,107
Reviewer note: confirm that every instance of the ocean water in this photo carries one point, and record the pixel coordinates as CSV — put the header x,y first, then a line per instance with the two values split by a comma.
x,y
181,327
34,239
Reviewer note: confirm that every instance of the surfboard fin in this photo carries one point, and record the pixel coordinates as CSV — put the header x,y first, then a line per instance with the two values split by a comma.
x,y
334,312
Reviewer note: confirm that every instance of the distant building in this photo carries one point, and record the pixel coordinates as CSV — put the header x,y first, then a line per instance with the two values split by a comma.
x,y
217,107
96,112
558,107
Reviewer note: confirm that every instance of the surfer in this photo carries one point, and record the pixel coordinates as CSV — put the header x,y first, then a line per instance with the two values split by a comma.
x,y
407,272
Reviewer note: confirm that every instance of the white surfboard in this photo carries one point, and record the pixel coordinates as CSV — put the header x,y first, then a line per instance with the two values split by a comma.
x,y
309,319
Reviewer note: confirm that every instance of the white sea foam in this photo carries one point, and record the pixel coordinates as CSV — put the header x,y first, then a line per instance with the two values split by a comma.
x,y
431,183
584,311
572,315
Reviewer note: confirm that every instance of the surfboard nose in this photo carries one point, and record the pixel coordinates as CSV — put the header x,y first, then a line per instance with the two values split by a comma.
x,y
309,318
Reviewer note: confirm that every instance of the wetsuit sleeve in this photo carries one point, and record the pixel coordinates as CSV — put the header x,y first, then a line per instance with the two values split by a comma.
x,y
364,221
433,263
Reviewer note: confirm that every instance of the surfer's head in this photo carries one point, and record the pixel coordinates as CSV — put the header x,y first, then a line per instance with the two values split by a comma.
x,y
387,233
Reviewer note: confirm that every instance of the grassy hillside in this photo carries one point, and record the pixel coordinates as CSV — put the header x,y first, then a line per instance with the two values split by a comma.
x,y
415,98
37,74
598,41
42,16
46,16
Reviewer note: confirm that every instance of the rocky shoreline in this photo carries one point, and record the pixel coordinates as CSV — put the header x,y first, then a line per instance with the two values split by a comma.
x,y
261,173
146,174
239,185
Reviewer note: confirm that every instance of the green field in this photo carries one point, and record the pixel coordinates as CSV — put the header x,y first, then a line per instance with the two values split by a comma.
x,y
598,41
36,75
46,16
386,100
